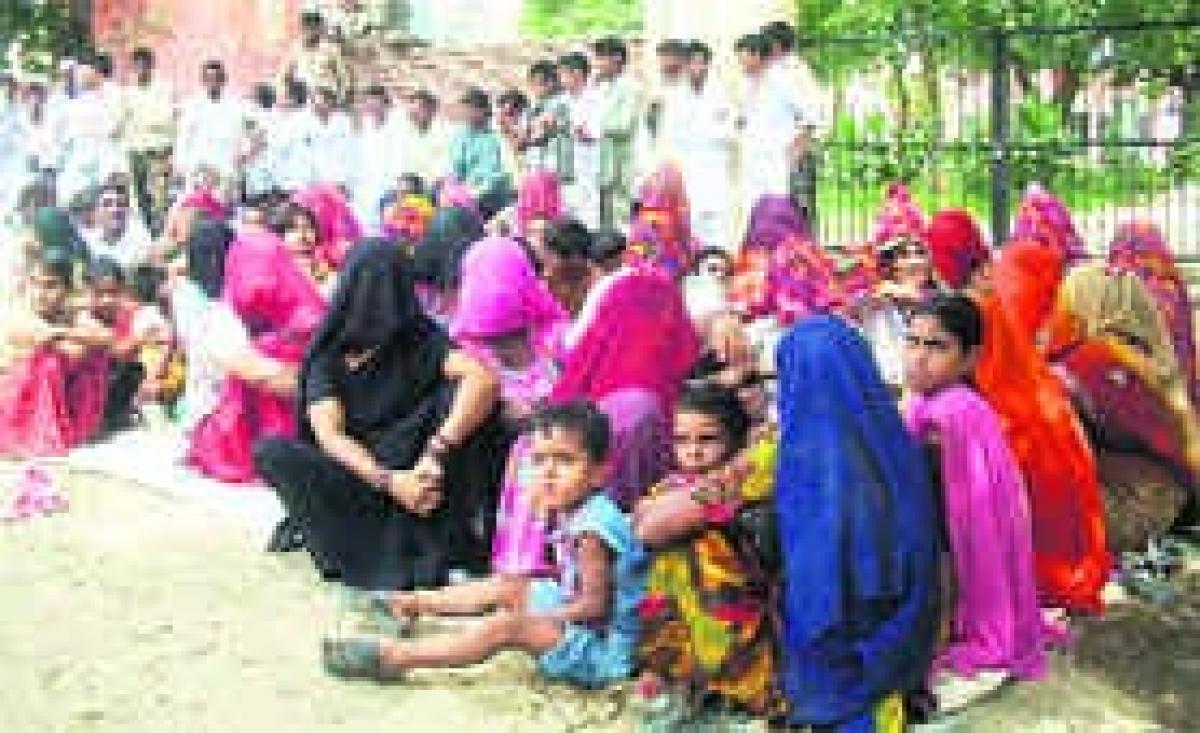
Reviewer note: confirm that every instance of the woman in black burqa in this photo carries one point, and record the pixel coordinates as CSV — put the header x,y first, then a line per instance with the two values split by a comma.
x,y
392,477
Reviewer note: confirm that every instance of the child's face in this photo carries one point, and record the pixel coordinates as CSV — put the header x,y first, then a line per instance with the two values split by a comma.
x,y
933,357
701,443
913,264
107,294
47,293
565,473
301,237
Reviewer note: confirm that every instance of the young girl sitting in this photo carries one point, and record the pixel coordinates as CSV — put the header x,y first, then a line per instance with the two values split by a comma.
x,y
708,633
582,626
997,630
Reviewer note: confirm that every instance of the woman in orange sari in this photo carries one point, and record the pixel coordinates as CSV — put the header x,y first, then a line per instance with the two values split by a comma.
x,y
1070,547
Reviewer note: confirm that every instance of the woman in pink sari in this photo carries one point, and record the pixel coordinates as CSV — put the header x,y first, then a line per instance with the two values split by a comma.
x,y
279,305
629,351
540,197
1044,217
52,395
338,228
661,234
996,628
508,320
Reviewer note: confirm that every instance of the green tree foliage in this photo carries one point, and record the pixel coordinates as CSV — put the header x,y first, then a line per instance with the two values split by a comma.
x,y
45,29
575,18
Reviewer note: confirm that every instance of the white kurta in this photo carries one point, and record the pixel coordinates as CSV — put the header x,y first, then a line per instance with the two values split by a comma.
x,y
582,197
290,160
210,134
704,136
331,148
773,111
376,168
91,127
132,249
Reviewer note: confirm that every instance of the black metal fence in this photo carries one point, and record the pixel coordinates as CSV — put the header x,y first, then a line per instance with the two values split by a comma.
x,y
1106,117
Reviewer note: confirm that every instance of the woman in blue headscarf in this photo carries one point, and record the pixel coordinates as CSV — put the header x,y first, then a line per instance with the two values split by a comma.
x,y
859,535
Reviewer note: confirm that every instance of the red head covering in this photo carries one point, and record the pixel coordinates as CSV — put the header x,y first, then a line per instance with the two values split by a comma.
x,y
956,246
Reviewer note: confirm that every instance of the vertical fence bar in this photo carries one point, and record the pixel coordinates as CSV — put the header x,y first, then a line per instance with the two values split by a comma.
x,y
1001,174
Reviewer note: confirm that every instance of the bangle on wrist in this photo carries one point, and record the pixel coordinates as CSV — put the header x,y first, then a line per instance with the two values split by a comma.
x,y
438,447
381,479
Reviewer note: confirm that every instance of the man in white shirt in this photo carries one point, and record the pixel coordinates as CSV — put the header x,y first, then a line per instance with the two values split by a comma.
x,y
772,123
211,128
115,234
705,143
794,80
149,117
91,130
619,112
582,195
260,145
377,163
330,141
290,146
662,131
424,141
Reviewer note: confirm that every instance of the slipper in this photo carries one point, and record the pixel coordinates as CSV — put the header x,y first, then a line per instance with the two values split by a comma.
x,y
357,659
376,612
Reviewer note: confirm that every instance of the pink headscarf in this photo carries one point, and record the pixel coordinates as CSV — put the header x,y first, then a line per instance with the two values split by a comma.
x,y
205,200
456,195
899,217
640,337
661,233
338,229
500,293
540,197
1044,217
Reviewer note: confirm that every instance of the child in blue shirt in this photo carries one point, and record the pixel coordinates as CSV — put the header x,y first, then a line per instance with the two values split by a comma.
x,y
582,625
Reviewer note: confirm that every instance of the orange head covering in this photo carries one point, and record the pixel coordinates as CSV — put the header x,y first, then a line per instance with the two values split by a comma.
x,y
1026,277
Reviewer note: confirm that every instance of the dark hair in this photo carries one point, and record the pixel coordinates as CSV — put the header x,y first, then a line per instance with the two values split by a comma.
x,y
588,423
283,218
708,252
476,98
754,43
671,47
569,239
146,282
102,62
780,33
576,61
264,95
425,97
214,65
700,48
142,54
55,263
958,316
611,47
326,94
296,92
311,19
376,90
105,267
607,247
544,70
513,98
412,182
721,403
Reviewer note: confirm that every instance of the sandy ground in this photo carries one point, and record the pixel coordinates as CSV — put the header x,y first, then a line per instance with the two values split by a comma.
x,y
145,610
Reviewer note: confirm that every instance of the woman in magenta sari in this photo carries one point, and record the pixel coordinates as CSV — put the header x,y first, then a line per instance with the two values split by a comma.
x,y
997,630
338,228
508,320
629,350
280,306
774,221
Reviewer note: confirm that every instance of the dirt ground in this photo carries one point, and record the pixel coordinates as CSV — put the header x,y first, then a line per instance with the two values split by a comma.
x,y
140,612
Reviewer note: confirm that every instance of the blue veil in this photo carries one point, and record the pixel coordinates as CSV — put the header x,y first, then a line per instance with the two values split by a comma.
x,y
858,531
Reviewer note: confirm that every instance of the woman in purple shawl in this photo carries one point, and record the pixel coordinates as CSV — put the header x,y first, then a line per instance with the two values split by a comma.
x,y
996,628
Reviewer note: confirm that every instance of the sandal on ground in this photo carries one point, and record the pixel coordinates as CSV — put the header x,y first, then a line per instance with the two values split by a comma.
x,y
357,659
377,615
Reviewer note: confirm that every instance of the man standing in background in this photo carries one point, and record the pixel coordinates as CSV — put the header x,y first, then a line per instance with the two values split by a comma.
x,y
618,118
148,131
